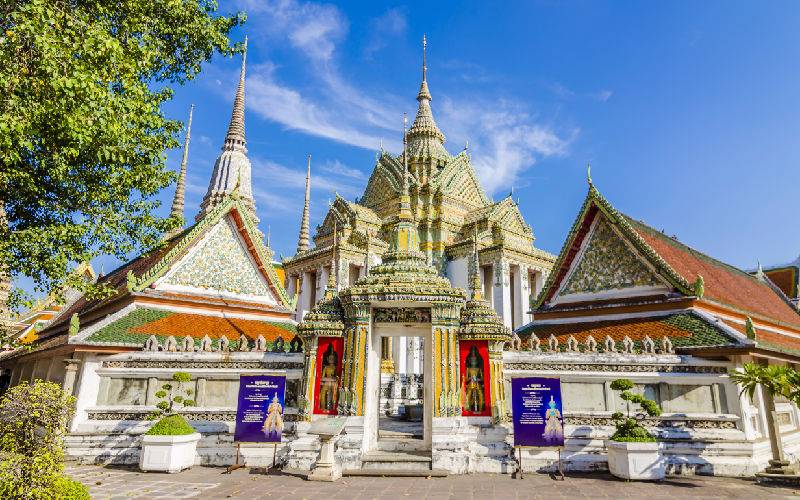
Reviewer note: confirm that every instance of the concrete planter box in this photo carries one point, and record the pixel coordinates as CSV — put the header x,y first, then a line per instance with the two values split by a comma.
x,y
640,461
168,453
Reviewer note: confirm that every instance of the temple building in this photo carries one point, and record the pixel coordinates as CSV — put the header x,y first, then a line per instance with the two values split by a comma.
x,y
449,209
403,321
626,300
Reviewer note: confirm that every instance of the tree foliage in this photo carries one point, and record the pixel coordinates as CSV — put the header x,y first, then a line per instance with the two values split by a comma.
x,y
628,428
779,380
82,131
33,423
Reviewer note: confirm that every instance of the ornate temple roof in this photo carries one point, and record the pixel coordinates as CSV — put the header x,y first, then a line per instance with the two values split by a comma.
x,y
139,324
326,319
683,330
139,274
611,260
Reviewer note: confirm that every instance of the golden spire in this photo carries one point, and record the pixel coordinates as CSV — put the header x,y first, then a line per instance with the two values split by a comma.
x,y
235,138
332,278
425,140
475,284
178,202
302,241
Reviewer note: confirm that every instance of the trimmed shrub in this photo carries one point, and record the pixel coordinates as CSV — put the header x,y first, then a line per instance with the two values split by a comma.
x,y
628,428
171,425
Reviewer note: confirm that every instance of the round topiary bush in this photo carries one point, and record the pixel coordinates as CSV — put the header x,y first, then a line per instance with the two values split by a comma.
x,y
171,425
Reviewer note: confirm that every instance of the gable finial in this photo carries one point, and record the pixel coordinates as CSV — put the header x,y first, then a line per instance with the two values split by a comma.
x,y
269,231
589,173
760,271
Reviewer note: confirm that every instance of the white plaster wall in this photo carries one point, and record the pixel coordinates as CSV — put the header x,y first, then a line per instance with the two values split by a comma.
x,y
458,273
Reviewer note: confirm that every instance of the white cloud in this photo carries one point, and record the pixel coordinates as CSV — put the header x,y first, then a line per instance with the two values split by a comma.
x,y
295,178
507,141
391,23
338,168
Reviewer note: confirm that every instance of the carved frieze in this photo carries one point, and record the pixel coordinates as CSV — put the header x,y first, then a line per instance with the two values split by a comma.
x,y
596,367
191,364
659,423
402,315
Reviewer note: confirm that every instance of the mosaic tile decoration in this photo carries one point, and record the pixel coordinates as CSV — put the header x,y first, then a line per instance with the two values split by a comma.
x,y
608,264
220,262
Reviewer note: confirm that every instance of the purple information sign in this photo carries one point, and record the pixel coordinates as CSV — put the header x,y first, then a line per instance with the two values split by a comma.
x,y
259,415
537,413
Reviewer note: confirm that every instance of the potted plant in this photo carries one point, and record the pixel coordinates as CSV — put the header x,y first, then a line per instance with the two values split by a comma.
x,y
633,453
170,445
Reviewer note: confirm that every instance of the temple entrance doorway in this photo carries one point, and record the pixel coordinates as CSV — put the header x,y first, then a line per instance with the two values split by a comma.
x,y
398,411
402,390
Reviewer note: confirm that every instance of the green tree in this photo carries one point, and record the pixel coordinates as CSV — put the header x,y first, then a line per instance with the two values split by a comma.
x,y
82,131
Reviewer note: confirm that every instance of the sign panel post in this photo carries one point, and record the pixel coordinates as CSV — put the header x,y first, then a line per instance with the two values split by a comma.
x,y
259,412
537,414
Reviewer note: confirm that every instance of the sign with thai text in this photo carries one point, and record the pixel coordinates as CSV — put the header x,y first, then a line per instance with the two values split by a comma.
x,y
259,413
537,413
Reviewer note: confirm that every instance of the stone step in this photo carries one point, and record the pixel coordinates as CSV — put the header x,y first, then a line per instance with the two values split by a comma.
x,y
395,473
401,444
396,461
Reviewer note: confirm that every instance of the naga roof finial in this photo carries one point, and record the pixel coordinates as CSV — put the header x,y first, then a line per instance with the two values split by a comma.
x,y
589,173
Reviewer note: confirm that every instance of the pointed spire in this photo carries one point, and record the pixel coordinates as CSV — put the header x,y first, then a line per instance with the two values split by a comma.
x,y
475,284
235,138
425,138
367,259
178,202
302,240
232,170
331,288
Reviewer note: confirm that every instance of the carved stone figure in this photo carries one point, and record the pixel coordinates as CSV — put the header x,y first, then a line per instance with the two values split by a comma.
x,y
472,382
329,380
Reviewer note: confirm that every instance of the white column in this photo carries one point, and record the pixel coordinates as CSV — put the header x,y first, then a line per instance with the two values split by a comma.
x,y
520,295
525,294
400,354
304,302
322,281
502,291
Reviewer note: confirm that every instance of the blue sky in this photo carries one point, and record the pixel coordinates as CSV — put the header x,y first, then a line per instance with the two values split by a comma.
x,y
689,112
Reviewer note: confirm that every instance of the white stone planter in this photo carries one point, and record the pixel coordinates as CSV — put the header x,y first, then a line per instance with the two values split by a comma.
x,y
168,453
635,460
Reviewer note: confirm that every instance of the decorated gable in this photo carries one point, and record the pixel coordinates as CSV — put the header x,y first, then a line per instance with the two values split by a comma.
x,y
219,264
608,263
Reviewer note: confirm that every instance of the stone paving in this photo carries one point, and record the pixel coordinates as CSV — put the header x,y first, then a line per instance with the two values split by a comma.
x,y
210,483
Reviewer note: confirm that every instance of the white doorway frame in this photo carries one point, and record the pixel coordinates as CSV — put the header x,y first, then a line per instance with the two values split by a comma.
x,y
373,382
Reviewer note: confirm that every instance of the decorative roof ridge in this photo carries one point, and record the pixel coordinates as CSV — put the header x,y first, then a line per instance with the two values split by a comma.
x,y
232,200
593,197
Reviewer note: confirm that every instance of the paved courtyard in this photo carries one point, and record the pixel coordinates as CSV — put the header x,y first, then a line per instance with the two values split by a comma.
x,y
208,482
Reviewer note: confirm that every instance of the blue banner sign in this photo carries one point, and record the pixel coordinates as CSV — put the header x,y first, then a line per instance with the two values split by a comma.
x,y
537,413
259,414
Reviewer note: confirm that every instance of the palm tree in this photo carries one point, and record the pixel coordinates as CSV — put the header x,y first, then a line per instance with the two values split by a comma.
x,y
775,380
